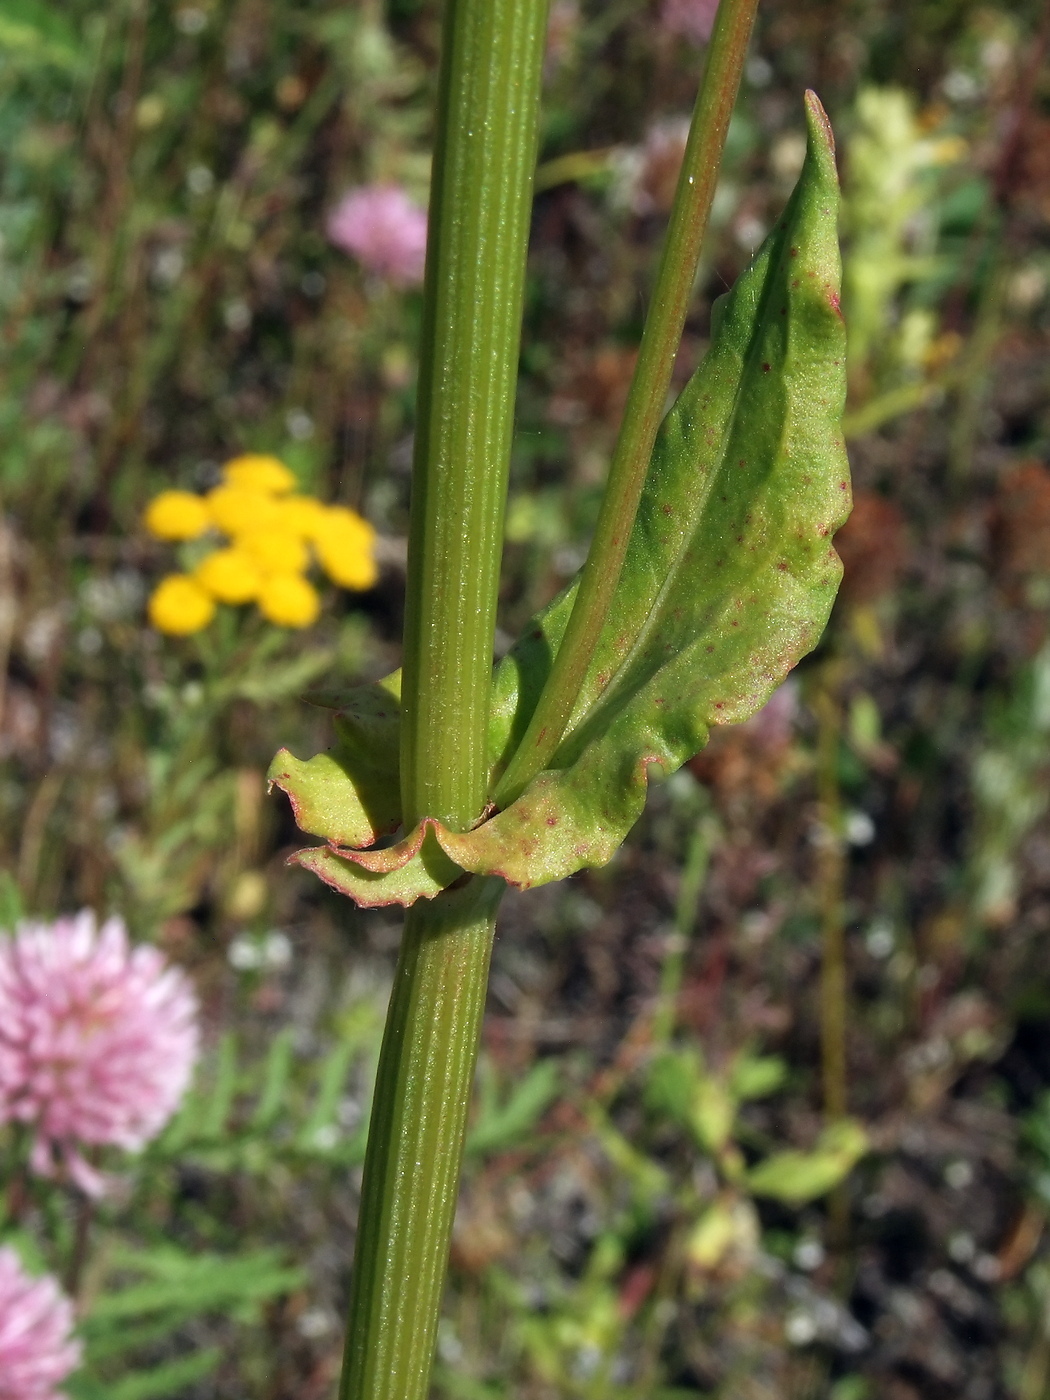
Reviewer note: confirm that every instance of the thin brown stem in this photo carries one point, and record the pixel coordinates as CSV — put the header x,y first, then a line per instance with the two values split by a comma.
x,y
78,1254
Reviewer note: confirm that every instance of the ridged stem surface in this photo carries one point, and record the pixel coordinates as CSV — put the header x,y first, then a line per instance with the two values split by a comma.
x,y
415,1143
480,206
484,162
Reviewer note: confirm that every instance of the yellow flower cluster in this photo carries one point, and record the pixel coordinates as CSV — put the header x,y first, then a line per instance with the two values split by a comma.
x,y
274,536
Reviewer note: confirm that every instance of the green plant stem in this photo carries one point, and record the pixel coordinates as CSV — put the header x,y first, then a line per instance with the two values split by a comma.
x,y
484,161
895,403
647,397
577,165
415,1143
831,893
694,874
830,888
974,371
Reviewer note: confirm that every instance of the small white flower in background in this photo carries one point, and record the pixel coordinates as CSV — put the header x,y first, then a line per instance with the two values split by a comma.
x,y
199,180
191,20
315,1322
800,1328
249,954
860,829
237,316
808,1254
880,940
300,424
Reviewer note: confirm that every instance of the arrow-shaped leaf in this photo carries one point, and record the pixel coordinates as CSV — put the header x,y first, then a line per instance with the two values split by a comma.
x,y
728,582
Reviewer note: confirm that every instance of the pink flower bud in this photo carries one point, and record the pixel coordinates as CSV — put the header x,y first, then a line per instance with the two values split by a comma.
x,y
692,19
384,230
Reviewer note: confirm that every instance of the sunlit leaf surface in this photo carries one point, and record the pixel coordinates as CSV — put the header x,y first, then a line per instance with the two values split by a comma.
x,y
729,579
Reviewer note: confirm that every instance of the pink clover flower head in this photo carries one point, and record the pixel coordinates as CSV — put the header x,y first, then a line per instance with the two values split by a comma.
x,y
384,230
690,19
37,1347
97,1041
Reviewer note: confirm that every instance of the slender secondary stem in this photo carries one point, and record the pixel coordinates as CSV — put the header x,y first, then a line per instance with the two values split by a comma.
x,y
694,876
831,891
415,1143
647,396
479,217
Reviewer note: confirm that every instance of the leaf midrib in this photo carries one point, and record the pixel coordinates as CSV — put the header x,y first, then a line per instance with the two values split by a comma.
x,y
620,690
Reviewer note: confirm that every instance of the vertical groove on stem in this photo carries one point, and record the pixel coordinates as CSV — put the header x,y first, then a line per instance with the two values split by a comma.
x,y
415,1143
484,163
648,393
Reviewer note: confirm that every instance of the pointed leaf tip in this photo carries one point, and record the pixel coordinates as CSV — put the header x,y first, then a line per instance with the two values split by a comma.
x,y
729,579
730,574
818,127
